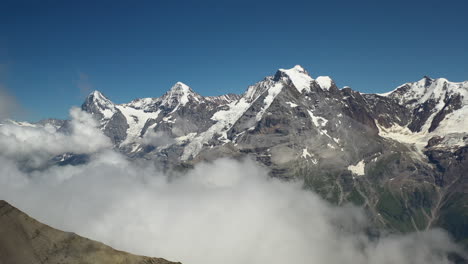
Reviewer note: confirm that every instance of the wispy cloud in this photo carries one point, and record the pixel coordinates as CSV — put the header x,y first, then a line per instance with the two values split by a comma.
x,y
36,144
84,84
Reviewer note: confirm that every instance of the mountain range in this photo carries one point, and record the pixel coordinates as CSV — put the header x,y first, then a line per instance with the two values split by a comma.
x,y
401,155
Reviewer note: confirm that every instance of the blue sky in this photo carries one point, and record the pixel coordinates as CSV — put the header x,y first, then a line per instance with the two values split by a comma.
x,y
54,52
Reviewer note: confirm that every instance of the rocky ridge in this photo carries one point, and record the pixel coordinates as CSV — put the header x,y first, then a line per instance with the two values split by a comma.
x,y
24,240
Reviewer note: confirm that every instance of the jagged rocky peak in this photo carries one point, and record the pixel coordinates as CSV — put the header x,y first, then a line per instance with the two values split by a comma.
x,y
428,89
296,77
180,94
98,104
97,96
427,80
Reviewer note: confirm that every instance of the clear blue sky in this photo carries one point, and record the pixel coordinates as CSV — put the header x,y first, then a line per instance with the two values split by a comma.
x,y
53,52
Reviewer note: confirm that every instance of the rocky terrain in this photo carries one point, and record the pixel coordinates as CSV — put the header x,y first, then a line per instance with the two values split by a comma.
x,y
25,240
401,155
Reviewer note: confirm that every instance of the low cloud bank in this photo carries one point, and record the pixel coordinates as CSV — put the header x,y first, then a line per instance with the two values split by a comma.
x,y
156,139
35,145
221,212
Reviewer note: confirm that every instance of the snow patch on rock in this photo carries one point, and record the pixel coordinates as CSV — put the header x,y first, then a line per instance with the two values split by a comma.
x,y
325,82
358,169
291,104
305,153
317,120
136,120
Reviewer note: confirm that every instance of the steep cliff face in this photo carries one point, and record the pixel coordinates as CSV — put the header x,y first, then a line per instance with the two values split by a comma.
x,y
24,240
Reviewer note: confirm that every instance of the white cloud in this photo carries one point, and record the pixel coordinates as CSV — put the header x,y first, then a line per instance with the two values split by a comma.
x,y
84,84
37,144
156,139
221,212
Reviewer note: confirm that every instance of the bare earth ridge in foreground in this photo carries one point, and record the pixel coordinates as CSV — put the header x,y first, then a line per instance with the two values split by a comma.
x,y
25,240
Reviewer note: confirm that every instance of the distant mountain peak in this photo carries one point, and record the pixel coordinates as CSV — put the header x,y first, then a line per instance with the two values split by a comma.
x,y
96,93
426,81
297,68
427,78
180,94
180,86
98,103
97,96
437,91
299,77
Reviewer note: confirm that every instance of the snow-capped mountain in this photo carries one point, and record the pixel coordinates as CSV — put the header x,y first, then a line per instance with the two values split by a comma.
x,y
413,113
175,111
401,155
433,108
433,101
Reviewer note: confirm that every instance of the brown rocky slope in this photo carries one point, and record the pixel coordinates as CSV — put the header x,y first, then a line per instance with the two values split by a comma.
x,y
25,240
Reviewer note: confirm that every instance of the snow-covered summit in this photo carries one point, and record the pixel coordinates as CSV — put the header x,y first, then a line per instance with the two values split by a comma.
x,y
97,103
97,96
180,94
419,92
296,68
426,108
298,76
180,87
437,107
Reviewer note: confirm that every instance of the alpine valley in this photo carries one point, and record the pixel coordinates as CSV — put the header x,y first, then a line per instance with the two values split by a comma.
x,y
402,155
